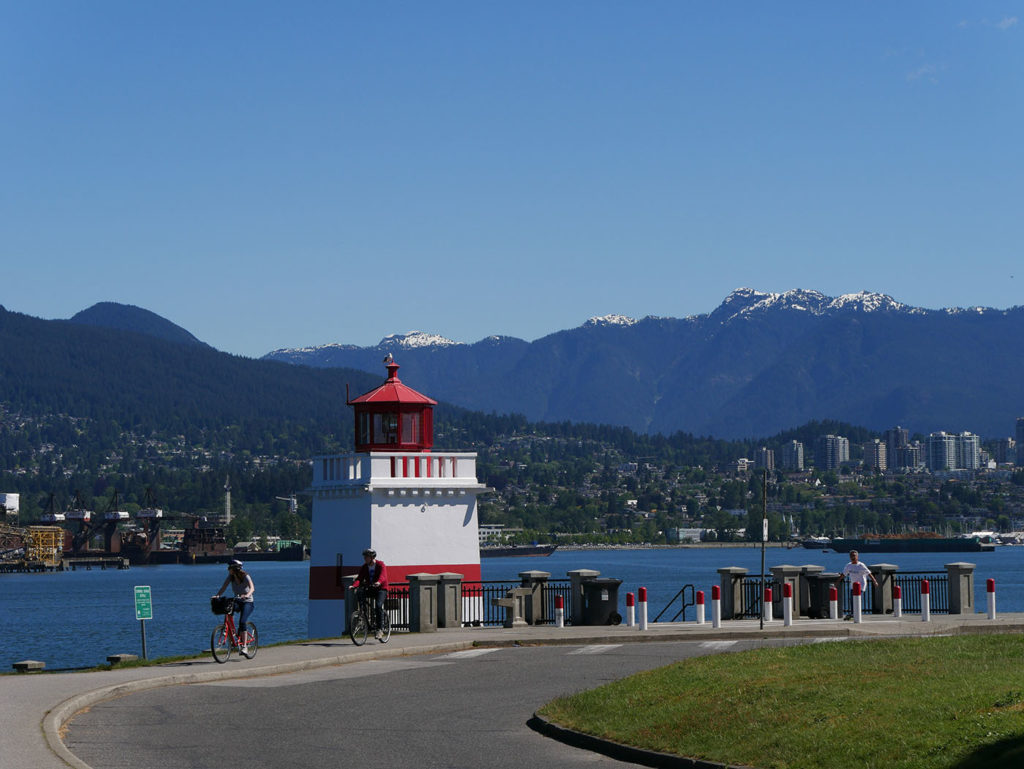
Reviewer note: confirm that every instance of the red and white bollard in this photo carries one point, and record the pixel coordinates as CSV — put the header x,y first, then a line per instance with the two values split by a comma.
x,y
700,607
766,606
897,602
630,610
787,604
643,608
857,600
833,603
926,601
990,589
716,606
559,611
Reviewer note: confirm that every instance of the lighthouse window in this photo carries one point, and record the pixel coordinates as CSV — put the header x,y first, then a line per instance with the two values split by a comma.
x,y
364,429
410,428
385,428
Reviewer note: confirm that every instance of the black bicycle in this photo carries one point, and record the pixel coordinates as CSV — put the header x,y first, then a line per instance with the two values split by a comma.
x,y
364,619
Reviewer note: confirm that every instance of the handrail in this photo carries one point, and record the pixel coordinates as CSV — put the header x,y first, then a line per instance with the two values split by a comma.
x,y
682,609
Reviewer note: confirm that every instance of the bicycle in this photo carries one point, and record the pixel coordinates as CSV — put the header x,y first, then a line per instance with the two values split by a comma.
x,y
363,619
225,637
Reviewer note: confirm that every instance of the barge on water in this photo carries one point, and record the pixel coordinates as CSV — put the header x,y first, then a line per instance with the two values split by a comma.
x,y
865,545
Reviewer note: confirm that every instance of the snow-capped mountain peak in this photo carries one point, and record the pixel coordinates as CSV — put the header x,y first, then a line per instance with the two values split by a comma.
x,y
611,320
416,339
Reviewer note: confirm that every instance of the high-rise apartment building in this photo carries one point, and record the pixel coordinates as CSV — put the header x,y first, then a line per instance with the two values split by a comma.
x,y
875,455
793,456
764,459
968,451
1006,451
946,451
897,439
940,452
830,451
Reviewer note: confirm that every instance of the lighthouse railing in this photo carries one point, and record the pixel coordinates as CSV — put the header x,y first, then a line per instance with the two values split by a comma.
x,y
399,466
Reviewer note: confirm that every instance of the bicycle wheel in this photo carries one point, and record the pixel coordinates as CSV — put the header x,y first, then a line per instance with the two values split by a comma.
x,y
385,628
252,641
220,644
358,628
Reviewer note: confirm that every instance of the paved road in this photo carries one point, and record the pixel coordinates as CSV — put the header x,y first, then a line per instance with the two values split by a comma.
x,y
462,709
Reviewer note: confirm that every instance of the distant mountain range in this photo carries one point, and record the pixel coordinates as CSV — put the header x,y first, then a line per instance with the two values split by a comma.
x,y
758,364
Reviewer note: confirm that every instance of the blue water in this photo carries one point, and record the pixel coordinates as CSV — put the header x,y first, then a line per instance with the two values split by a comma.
x,y
75,619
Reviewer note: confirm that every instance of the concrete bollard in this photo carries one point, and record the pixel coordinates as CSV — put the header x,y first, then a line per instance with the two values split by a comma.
x,y
787,604
990,591
766,605
642,595
858,600
630,610
926,601
716,606
700,607
559,611
833,603
897,602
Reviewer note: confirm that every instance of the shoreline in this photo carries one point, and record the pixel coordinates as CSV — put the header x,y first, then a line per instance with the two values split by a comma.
x,y
687,546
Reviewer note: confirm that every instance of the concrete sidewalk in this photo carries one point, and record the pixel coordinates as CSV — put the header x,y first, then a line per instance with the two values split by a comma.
x,y
34,706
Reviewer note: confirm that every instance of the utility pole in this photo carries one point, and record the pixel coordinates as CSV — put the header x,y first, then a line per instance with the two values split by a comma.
x,y
764,540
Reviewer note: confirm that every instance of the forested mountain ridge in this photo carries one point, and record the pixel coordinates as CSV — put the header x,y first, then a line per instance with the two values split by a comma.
x,y
758,364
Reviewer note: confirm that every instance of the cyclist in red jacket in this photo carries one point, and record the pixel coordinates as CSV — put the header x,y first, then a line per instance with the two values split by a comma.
x,y
372,580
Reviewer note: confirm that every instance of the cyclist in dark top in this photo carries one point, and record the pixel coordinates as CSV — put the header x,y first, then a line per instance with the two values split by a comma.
x,y
372,581
243,588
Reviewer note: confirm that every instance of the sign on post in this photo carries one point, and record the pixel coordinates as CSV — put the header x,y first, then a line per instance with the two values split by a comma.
x,y
143,602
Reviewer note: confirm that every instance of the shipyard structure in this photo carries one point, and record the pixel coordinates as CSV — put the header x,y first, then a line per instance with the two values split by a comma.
x,y
415,506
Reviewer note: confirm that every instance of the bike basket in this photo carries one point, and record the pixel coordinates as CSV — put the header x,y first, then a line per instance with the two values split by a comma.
x,y
223,604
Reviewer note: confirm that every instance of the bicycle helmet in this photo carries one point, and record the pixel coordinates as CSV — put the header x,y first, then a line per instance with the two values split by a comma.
x,y
369,552
235,562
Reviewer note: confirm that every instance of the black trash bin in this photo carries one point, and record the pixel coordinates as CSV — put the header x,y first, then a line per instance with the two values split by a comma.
x,y
601,601
818,590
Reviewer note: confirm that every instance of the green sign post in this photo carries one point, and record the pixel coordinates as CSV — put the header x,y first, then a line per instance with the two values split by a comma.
x,y
143,610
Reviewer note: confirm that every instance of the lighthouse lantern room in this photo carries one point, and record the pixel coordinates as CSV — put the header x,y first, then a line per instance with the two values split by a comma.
x,y
416,507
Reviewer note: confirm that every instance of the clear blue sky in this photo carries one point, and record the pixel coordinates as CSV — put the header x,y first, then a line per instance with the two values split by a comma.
x,y
285,174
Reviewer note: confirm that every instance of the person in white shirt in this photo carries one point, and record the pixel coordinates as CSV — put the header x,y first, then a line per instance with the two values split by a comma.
x,y
858,573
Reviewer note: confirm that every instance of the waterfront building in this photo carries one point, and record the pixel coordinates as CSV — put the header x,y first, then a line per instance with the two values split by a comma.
x,y
830,451
415,506
793,456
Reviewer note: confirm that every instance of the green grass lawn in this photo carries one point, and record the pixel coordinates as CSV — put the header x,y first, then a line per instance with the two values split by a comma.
x,y
907,703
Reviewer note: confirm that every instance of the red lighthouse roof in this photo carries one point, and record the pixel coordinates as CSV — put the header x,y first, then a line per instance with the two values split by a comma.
x,y
393,417
393,391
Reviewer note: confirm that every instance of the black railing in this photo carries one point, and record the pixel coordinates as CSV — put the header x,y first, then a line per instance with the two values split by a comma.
x,y
679,599
909,583
550,592
477,607
752,597
397,605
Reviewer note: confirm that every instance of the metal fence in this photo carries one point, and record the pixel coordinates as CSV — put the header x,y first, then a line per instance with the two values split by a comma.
x,y
909,583
397,605
478,608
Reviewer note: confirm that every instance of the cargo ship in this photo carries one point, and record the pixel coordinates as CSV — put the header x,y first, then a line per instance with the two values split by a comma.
x,y
506,551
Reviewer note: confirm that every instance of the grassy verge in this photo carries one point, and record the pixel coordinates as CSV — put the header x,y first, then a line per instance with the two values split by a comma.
x,y
932,703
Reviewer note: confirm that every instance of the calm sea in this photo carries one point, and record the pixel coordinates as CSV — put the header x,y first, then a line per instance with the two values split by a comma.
x,y
75,619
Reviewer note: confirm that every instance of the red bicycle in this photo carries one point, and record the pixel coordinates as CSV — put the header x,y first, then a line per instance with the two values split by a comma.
x,y
225,638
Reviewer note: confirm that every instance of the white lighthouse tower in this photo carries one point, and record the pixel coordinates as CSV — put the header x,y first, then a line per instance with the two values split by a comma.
x,y
417,508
